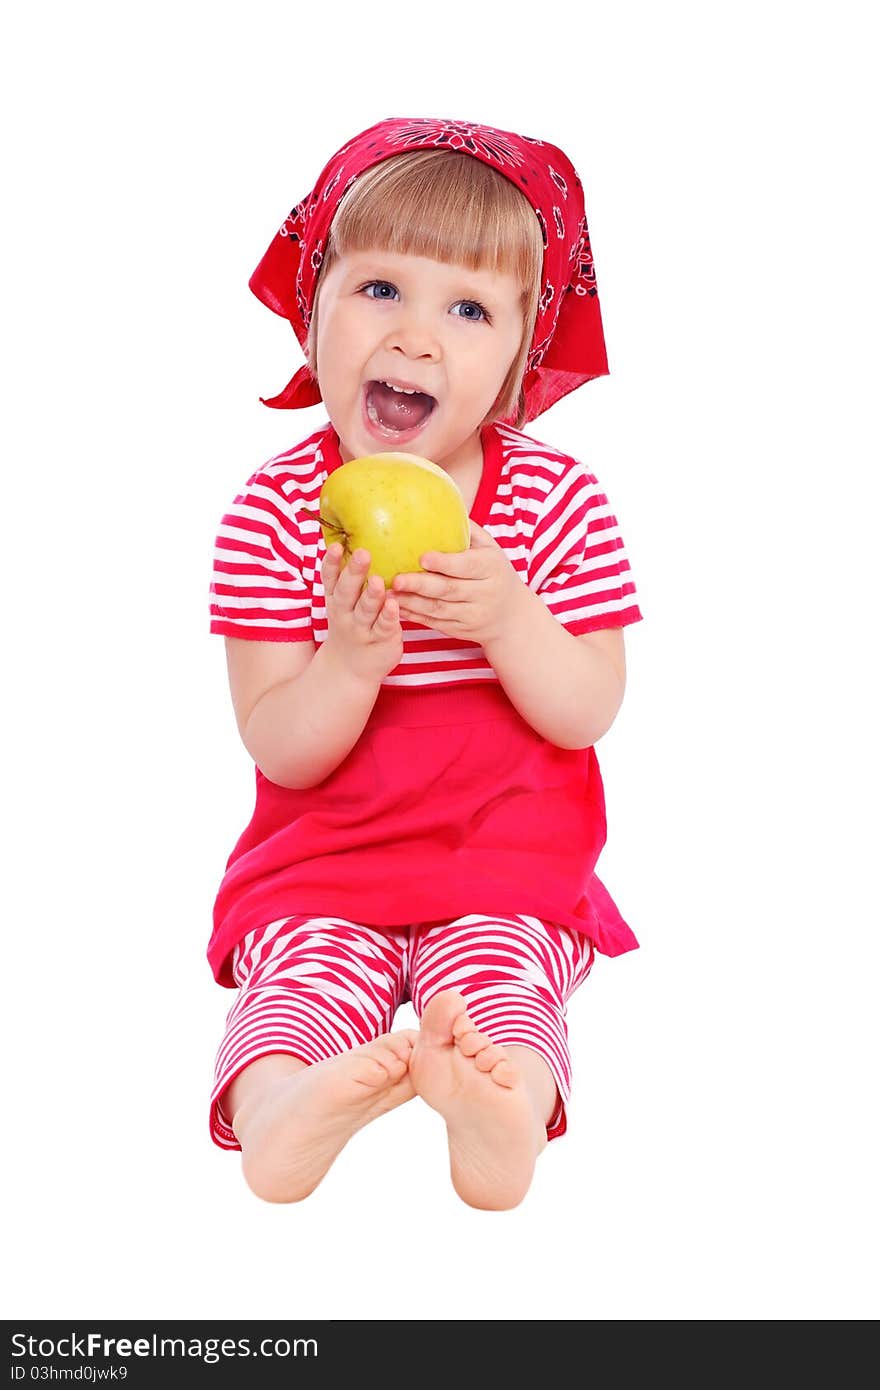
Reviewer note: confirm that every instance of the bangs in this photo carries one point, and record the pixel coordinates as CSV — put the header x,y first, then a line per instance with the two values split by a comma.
x,y
446,206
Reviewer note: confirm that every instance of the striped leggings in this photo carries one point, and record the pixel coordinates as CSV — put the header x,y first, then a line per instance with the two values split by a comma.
x,y
313,987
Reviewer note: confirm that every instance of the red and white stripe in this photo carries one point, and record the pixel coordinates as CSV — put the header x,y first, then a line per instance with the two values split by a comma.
x,y
316,987
309,987
549,514
516,974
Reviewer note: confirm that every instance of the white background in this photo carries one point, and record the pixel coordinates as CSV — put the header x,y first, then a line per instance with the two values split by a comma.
x,y
721,1160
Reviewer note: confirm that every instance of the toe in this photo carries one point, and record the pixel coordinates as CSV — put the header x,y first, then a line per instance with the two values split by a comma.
x,y
393,1062
463,1024
489,1056
400,1043
375,1069
504,1073
471,1043
439,1016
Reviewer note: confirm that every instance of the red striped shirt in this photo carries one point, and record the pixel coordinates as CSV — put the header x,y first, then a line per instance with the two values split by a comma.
x,y
544,508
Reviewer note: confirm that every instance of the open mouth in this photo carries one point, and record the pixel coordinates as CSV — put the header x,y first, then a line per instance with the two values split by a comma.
x,y
395,412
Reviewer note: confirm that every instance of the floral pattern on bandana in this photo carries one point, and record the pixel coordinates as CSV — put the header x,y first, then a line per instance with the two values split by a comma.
x,y
490,145
584,274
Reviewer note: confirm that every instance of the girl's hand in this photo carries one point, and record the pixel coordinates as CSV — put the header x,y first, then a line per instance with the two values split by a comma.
x,y
473,594
364,622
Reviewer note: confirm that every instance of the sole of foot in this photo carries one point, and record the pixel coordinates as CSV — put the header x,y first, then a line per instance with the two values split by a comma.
x,y
495,1133
291,1133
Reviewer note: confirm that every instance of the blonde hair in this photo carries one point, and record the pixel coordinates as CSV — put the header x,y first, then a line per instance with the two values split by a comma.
x,y
449,207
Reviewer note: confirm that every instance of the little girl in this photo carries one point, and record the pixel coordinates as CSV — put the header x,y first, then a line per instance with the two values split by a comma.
x,y
429,808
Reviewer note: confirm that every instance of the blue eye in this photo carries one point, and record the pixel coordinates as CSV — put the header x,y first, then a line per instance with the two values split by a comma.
x,y
472,305
471,309
380,286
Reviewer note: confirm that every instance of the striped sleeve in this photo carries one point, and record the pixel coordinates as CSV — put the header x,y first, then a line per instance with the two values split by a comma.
x,y
578,564
258,590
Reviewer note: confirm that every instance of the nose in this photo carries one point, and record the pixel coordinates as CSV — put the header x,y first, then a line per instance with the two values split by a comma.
x,y
413,336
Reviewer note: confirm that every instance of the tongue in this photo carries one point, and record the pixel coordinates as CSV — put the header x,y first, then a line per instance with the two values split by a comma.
x,y
394,409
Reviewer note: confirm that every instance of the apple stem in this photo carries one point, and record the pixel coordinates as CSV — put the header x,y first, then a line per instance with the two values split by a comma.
x,y
331,526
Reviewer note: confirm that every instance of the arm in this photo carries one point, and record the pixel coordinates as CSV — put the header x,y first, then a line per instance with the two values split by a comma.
x,y
301,709
568,688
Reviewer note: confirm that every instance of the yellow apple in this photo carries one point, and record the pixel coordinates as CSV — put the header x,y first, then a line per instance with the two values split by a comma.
x,y
396,506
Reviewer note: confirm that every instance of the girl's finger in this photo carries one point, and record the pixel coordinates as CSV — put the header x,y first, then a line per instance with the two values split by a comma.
x,y
352,578
389,613
369,604
331,567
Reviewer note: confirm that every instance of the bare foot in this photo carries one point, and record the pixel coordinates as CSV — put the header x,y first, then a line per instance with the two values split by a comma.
x,y
495,1131
291,1131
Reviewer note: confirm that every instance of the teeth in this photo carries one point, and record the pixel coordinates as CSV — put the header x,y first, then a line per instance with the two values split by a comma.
x,y
406,391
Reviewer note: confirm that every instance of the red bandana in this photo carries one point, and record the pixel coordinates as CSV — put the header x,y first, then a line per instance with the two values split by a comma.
x,y
568,346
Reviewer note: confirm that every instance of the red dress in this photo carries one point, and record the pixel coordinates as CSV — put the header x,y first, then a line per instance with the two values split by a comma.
x,y
448,804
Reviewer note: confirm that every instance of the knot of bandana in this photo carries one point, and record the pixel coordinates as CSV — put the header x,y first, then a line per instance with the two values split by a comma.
x,y
568,344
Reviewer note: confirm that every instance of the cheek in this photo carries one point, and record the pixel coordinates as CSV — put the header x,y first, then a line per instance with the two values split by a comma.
x,y
339,353
482,356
